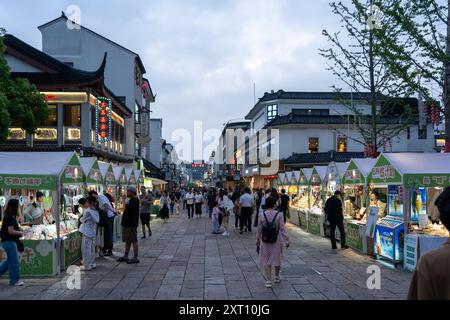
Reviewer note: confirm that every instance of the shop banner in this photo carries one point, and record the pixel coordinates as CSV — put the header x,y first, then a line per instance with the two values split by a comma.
x,y
428,180
355,235
20,181
72,248
410,250
384,172
418,203
38,259
372,221
314,223
395,201
303,216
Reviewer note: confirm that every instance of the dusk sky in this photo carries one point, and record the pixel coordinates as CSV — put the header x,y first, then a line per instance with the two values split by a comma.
x,y
202,57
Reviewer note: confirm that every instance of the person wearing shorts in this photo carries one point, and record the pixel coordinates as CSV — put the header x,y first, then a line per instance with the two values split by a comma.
x,y
130,222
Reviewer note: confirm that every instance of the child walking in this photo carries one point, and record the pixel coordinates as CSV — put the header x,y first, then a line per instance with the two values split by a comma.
x,y
88,228
215,218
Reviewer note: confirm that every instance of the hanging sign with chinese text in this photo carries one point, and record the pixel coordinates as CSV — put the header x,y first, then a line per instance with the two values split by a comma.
x,y
103,119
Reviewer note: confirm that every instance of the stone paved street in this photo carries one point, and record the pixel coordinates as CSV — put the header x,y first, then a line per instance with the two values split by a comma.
x,y
183,260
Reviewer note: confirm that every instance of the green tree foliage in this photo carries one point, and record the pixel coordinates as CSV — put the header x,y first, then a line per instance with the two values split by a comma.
x,y
352,58
21,104
420,49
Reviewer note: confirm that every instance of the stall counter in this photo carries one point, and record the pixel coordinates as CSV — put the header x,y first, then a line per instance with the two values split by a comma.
x,y
39,258
416,245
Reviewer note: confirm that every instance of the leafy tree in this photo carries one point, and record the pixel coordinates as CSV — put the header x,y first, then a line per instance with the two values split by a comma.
x,y
353,60
21,104
420,48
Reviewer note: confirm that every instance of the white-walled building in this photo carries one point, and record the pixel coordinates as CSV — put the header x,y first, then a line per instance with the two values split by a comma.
x,y
155,143
313,125
84,49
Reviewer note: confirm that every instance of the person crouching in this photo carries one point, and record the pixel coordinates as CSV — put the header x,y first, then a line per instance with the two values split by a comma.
x,y
88,228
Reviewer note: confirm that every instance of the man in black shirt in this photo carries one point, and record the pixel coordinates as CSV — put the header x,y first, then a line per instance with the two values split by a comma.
x,y
284,204
335,216
130,222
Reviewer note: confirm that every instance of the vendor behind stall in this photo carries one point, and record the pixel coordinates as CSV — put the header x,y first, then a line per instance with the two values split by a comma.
x,y
376,202
34,213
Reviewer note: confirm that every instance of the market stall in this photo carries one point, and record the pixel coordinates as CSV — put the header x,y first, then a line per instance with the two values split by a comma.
x,y
121,183
412,187
139,174
111,187
304,203
316,217
131,178
50,246
93,176
355,202
109,179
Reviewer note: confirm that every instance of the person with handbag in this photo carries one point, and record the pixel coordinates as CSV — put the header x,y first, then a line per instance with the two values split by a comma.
x,y
10,235
271,236
164,206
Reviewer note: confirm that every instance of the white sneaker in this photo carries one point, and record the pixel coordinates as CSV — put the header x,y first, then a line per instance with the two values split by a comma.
x,y
277,279
84,268
93,266
225,234
19,284
268,284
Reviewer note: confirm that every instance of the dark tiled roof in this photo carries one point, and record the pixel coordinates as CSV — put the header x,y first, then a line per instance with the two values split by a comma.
x,y
150,166
62,74
333,119
322,157
52,63
297,95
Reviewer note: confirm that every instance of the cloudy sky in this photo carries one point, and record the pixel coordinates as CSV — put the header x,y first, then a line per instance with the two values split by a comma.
x,y
202,56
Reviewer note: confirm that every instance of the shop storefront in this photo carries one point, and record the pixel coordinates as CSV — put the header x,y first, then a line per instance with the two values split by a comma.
x,y
49,247
94,179
121,181
412,186
316,217
356,198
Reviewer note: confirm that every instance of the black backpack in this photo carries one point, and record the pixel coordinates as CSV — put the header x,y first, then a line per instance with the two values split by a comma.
x,y
270,230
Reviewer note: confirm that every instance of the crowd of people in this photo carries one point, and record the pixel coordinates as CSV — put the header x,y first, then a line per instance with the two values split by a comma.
x,y
265,210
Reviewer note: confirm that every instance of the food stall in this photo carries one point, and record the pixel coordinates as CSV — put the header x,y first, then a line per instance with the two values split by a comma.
x,y
49,246
406,176
109,179
131,178
93,176
121,183
280,181
316,217
333,177
111,187
355,202
139,174
389,230
304,203
421,185
294,196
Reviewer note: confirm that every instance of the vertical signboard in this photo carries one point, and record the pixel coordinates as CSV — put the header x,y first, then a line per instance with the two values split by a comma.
x,y
103,119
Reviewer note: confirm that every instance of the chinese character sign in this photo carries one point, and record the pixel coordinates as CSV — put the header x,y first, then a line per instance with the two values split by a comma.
x,y
103,119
